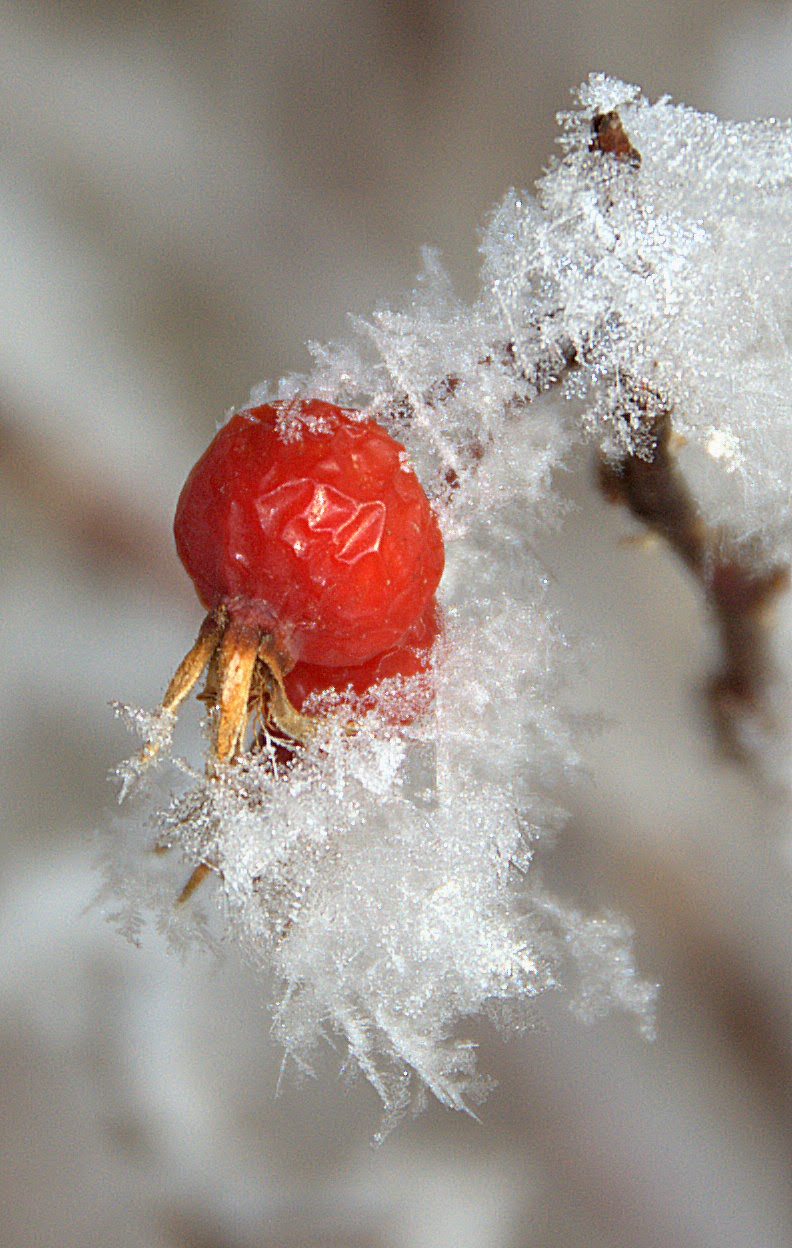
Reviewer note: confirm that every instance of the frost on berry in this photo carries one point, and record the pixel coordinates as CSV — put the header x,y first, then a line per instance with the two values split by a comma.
x,y
384,876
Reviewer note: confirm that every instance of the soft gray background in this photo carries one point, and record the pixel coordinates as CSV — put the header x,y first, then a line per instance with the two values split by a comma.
x,y
190,192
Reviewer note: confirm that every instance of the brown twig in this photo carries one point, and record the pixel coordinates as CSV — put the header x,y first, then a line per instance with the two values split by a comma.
x,y
609,136
737,589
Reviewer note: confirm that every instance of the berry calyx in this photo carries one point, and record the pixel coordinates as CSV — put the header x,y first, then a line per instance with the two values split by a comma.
x,y
314,548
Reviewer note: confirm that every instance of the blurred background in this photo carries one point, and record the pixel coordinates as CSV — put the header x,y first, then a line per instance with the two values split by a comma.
x,y
189,192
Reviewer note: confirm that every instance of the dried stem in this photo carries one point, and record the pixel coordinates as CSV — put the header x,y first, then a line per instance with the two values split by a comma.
x,y
609,136
244,678
737,589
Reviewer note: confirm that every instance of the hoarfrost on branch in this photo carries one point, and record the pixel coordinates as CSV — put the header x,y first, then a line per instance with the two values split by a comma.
x,y
386,877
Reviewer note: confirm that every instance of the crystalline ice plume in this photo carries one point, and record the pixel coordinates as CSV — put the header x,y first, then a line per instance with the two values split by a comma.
x,y
386,877
668,274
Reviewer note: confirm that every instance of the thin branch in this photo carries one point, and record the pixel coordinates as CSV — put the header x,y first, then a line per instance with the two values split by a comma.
x,y
738,590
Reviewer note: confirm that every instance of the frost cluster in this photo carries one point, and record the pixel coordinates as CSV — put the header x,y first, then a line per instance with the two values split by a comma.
x,y
385,877
664,280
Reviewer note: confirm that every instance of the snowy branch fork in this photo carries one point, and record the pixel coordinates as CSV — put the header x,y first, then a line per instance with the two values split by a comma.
x,y
738,591
385,874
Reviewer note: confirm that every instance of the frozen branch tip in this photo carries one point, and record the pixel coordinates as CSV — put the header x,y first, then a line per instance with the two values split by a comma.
x,y
383,677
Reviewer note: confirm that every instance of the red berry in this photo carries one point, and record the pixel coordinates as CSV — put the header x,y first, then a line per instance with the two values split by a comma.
x,y
409,658
305,522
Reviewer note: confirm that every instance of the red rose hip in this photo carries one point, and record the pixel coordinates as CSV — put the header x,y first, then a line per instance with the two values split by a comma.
x,y
306,521
310,541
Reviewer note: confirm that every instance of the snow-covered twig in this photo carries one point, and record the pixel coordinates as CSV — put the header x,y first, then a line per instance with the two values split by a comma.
x,y
387,875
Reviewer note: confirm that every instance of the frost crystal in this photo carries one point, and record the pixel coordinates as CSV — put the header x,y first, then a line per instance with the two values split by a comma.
x,y
156,730
660,278
385,875
670,278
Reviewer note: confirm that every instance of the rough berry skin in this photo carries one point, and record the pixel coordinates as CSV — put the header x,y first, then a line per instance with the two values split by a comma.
x,y
305,522
407,659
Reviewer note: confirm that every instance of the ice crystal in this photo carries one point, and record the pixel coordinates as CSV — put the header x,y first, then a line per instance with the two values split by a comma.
x,y
386,875
155,728
670,277
664,280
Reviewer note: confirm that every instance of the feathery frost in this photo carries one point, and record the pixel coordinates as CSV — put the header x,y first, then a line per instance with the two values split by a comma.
x,y
385,878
